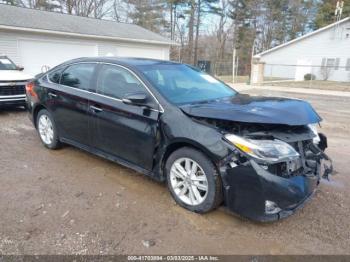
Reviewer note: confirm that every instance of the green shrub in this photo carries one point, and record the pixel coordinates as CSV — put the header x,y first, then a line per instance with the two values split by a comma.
x,y
309,77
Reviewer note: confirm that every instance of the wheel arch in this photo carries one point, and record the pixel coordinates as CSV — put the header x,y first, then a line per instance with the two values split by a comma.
x,y
181,143
36,111
218,184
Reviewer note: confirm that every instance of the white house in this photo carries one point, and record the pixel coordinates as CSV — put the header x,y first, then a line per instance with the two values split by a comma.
x,y
325,53
38,40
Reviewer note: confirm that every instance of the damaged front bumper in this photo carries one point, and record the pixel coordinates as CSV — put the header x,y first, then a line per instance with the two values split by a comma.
x,y
251,190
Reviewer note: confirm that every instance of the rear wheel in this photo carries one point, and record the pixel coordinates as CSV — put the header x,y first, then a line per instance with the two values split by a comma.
x,y
47,129
193,180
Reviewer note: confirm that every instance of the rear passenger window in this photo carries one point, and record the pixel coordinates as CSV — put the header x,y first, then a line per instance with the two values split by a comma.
x,y
78,76
116,82
55,76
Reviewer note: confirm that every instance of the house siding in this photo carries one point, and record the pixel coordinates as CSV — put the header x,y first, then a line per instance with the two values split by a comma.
x,y
307,55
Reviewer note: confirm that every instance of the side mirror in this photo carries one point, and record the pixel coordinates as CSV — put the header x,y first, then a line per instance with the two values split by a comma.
x,y
20,68
138,99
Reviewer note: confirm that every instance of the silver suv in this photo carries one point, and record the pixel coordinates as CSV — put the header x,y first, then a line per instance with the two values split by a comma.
x,y
12,83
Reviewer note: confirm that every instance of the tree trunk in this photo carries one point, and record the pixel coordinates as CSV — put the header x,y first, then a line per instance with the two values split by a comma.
x,y
171,21
195,58
190,32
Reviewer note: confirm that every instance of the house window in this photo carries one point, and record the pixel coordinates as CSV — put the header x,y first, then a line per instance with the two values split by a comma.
x,y
347,68
332,63
337,62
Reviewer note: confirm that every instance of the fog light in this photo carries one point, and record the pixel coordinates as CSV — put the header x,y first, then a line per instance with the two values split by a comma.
x,y
271,207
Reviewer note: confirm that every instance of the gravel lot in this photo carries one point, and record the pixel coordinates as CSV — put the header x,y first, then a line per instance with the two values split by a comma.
x,y
71,202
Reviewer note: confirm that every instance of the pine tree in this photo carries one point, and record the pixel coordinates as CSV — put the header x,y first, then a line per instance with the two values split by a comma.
x,y
149,14
325,14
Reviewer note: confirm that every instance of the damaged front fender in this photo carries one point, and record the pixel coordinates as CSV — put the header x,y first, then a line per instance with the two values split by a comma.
x,y
251,186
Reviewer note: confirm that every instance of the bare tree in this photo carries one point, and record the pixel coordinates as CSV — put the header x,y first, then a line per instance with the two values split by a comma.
x,y
222,29
202,7
326,72
198,23
46,5
189,53
120,11
88,8
67,6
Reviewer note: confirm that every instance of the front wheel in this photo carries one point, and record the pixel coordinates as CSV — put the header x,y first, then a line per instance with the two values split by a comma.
x,y
47,129
193,180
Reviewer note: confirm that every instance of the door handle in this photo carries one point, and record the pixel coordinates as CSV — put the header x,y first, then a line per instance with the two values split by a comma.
x,y
96,109
52,95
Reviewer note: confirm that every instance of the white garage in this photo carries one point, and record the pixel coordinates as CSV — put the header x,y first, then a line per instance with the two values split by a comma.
x,y
39,40
37,56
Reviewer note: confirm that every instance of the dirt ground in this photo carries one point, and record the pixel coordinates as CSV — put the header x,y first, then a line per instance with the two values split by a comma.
x,y
71,202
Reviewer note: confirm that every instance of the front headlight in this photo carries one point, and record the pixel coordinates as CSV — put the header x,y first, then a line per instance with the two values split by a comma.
x,y
266,150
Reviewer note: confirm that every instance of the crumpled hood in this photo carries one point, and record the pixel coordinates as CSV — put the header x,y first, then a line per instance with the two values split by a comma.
x,y
13,75
256,109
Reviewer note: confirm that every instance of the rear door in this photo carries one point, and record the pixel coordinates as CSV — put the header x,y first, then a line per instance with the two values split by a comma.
x,y
128,132
69,101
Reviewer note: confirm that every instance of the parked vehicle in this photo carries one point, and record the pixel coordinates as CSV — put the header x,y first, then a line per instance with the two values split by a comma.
x,y
260,156
12,83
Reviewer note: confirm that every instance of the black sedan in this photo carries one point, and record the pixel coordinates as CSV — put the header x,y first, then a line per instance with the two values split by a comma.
x,y
260,156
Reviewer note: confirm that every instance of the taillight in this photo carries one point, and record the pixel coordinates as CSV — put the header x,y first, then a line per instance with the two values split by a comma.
x,y
30,89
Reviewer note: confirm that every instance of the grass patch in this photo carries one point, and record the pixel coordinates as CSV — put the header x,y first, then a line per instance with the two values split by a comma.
x,y
238,79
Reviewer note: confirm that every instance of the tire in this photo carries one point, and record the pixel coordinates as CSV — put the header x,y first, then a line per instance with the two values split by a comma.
x,y
206,201
53,142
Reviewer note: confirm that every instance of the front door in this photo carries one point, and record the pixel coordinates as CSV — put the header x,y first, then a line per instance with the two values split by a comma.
x,y
128,132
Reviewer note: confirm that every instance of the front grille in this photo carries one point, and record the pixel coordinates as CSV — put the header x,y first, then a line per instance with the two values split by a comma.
x,y
12,90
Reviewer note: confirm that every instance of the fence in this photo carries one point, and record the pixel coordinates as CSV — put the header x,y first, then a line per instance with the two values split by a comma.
x,y
224,71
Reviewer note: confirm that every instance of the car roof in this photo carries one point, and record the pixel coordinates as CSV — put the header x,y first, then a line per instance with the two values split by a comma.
x,y
127,61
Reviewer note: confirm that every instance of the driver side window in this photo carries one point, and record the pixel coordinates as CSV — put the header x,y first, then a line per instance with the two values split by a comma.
x,y
116,82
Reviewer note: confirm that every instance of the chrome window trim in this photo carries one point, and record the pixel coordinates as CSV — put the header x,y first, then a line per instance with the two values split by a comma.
x,y
109,97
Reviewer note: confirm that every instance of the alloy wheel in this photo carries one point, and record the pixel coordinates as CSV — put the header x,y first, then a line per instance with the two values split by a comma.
x,y
189,181
45,128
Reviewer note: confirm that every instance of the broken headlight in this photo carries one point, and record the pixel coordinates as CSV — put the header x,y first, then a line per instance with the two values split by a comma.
x,y
313,127
265,150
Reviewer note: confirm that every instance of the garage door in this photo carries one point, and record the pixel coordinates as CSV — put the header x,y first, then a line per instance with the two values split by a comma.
x,y
36,55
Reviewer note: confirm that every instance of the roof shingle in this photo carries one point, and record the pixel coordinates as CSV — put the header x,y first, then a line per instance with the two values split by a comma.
x,y
56,22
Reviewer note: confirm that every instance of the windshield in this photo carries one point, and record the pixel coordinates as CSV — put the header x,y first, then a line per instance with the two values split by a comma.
x,y
7,64
182,84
